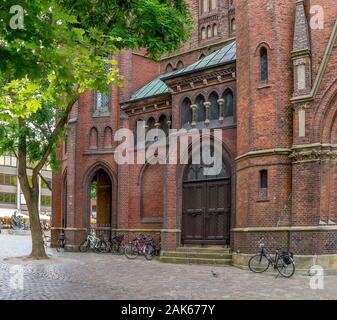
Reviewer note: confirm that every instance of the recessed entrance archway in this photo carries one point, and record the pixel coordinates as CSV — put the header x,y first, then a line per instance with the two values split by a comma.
x,y
206,206
100,190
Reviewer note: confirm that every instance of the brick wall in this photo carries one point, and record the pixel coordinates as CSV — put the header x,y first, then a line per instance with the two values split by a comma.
x,y
265,121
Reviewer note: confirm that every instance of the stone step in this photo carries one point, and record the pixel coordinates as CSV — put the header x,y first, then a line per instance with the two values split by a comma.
x,y
218,262
224,250
202,255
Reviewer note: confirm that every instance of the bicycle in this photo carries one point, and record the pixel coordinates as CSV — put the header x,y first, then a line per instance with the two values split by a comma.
x,y
135,248
61,242
117,246
283,262
114,246
92,242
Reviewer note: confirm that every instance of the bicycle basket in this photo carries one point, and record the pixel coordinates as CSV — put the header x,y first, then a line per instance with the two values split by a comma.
x,y
287,257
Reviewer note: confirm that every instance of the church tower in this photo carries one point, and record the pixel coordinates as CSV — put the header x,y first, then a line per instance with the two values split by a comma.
x,y
264,132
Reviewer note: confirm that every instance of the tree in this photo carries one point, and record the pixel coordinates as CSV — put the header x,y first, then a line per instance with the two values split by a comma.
x,y
51,51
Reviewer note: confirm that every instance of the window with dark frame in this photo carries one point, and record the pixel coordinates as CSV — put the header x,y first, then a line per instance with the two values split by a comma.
x,y
263,185
186,112
229,103
263,65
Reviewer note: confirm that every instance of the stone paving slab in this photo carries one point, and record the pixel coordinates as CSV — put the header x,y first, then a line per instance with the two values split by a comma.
x,y
81,276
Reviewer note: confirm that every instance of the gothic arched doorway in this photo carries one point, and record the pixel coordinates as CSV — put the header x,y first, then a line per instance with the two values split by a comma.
x,y
101,200
206,208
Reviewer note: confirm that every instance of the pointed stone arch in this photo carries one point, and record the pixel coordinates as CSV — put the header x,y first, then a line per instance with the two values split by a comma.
x,y
108,184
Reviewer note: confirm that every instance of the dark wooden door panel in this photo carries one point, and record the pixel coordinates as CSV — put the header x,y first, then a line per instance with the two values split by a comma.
x,y
206,211
193,211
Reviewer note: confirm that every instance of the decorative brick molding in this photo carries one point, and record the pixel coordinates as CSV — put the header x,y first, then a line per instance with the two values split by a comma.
x,y
263,153
313,153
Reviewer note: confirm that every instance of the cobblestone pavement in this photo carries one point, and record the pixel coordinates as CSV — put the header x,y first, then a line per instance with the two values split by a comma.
x,y
98,276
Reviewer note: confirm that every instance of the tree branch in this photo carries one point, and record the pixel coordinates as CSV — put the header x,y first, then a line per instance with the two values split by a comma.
x,y
58,129
43,179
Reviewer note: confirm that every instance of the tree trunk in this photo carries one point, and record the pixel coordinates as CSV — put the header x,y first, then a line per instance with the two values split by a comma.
x,y
38,249
31,194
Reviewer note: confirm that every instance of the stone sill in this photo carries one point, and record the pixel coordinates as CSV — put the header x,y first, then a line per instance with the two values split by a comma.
x,y
263,200
263,86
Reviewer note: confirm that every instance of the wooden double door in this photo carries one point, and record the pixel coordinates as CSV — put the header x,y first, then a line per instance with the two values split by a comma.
x,y
206,212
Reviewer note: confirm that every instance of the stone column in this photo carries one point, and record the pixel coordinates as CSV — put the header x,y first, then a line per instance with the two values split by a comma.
x,y
207,105
194,114
221,109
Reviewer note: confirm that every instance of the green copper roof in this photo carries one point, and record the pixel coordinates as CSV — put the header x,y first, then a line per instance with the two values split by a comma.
x,y
153,88
224,55
157,86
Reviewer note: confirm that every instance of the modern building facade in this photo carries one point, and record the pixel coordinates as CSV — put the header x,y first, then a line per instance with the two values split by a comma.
x,y
265,75
11,197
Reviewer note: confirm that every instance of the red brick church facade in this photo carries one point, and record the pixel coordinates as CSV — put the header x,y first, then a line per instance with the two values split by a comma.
x,y
256,70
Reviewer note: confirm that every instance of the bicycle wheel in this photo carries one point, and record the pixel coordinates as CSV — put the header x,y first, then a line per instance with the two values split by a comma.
x,y
84,246
97,246
121,249
117,248
258,264
60,246
284,269
105,247
149,252
131,251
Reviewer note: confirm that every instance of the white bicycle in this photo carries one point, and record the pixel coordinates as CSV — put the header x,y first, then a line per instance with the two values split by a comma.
x,y
91,242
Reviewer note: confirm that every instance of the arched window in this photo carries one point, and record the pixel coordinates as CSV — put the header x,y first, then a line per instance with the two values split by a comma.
x,y
150,124
215,30
139,122
102,104
180,65
163,124
196,172
204,6
201,110
263,64
108,137
233,25
214,111
203,33
186,112
93,138
263,185
169,68
229,103
213,4
209,32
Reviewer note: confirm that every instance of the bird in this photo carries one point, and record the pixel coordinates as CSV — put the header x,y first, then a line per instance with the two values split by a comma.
x,y
215,275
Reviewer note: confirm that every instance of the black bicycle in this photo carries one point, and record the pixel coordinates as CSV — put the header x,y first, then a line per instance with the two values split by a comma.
x,y
283,262
115,246
141,245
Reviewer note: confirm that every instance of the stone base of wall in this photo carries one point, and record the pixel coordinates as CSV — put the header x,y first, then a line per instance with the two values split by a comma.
x,y
303,263
306,241
75,236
